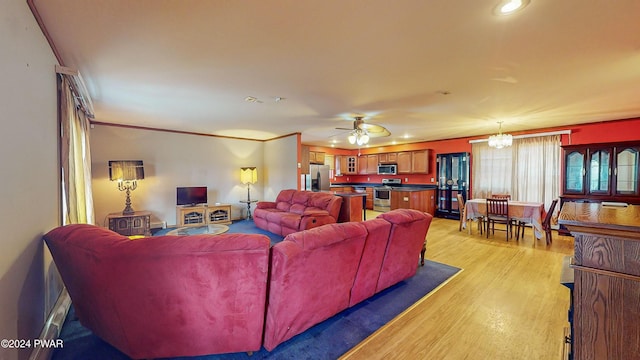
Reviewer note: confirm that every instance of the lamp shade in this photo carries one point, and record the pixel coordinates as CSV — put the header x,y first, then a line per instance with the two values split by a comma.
x,y
248,175
126,170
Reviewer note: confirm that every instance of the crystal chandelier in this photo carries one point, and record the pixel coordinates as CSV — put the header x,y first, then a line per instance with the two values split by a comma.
x,y
358,136
500,140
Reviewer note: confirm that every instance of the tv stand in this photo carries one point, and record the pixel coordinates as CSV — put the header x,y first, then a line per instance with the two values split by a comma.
x,y
203,214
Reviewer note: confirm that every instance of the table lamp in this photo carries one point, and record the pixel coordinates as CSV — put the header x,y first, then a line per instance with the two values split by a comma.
x,y
126,173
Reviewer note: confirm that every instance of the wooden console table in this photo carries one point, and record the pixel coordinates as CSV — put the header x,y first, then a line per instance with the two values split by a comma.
x,y
138,223
606,279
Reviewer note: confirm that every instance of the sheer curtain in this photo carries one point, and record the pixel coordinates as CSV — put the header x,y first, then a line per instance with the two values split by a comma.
x,y
75,160
529,170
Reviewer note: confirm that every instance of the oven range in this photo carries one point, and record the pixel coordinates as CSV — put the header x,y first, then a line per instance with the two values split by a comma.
x,y
382,195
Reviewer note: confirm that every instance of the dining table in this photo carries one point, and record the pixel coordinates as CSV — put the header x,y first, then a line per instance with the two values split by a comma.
x,y
524,211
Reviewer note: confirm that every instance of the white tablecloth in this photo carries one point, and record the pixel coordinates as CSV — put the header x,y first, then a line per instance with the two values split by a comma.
x,y
527,212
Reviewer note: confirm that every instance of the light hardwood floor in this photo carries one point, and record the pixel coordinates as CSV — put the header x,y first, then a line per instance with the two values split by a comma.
x,y
507,303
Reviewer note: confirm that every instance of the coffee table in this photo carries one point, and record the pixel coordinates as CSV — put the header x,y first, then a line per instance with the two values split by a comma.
x,y
213,229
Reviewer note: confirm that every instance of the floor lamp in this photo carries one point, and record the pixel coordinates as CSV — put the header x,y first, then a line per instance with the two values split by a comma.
x,y
126,173
248,176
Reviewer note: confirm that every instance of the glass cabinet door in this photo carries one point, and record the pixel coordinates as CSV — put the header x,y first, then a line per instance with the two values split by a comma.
x,y
574,172
626,171
599,171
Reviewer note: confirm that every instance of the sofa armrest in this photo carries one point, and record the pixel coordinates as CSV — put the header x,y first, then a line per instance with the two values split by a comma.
x,y
314,218
265,205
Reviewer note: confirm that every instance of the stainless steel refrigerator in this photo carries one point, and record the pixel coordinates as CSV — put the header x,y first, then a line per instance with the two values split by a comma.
x,y
318,178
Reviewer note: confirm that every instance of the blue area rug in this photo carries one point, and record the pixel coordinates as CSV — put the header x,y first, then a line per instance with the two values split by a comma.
x,y
327,340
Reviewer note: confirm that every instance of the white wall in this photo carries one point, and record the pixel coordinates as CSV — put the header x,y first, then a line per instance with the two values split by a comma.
x,y
174,159
281,172
29,180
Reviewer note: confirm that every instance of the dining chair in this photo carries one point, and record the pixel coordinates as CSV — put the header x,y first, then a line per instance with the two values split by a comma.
x,y
501,196
462,210
546,223
463,214
498,212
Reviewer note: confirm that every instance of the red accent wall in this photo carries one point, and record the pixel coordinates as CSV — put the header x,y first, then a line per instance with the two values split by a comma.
x,y
600,132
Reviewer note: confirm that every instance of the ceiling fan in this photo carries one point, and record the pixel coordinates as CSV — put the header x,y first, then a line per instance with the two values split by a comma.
x,y
361,131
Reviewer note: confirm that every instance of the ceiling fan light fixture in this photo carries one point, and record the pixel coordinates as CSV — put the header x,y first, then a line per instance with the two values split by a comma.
x,y
359,137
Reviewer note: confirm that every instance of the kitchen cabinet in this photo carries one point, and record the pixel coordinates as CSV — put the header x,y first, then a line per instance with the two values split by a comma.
x,y
422,200
404,162
369,202
346,165
316,157
420,162
368,164
388,158
413,162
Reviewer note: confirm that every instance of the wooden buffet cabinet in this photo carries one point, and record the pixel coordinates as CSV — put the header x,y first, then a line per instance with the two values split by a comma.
x,y
606,294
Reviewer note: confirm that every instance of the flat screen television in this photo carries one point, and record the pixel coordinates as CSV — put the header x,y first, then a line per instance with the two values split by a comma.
x,y
191,195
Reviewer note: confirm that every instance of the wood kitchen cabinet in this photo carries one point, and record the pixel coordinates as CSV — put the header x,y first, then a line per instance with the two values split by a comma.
x,y
413,162
422,200
346,165
369,202
420,162
404,162
388,158
316,157
368,164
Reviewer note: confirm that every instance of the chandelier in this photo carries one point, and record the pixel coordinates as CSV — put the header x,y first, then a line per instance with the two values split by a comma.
x,y
500,140
358,136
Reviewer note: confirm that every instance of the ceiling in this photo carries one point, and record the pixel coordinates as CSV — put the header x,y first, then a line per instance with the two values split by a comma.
x,y
425,70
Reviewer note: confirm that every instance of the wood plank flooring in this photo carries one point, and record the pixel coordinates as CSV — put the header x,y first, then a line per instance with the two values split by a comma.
x,y
507,303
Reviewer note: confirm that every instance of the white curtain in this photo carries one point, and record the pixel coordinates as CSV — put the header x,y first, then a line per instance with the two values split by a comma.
x,y
529,170
75,158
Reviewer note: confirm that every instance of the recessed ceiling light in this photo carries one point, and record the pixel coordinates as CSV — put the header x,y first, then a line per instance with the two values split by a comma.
x,y
506,7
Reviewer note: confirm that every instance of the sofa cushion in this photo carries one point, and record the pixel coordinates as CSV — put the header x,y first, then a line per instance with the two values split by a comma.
x,y
320,200
374,249
312,273
408,234
290,220
283,206
285,195
297,209
301,197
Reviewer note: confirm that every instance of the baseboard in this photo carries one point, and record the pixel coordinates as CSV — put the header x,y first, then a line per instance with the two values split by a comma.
x,y
53,326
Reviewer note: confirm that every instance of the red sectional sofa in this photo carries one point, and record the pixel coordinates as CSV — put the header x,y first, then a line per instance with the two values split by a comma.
x,y
165,296
294,211
170,296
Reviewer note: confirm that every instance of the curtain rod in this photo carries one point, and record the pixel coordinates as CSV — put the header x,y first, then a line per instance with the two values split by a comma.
x,y
78,88
549,133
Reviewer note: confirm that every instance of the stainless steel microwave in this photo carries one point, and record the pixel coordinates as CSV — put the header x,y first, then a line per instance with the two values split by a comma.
x,y
387,169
